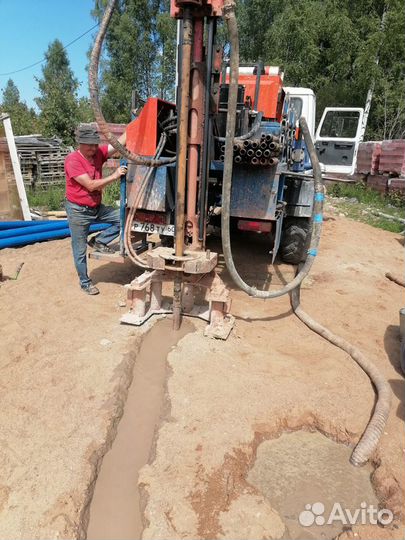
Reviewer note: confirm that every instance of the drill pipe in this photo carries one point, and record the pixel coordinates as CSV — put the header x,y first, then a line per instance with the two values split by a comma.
x,y
274,146
183,135
255,161
258,153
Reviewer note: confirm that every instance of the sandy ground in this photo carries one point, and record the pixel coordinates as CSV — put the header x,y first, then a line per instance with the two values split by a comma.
x,y
66,365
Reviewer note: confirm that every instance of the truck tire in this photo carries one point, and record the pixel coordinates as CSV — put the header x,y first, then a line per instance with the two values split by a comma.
x,y
295,239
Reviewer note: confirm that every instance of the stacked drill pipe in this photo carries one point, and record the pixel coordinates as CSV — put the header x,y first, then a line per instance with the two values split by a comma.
x,y
263,151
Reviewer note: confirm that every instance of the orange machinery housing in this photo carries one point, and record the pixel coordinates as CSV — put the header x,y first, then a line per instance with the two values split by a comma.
x,y
142,133
271,95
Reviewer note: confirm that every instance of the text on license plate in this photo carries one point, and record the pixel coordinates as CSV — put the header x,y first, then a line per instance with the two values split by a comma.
x,y
153,228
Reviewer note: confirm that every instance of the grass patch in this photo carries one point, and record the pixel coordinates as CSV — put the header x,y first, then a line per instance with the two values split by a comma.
x,y
53,198
357,202
111,193
47,199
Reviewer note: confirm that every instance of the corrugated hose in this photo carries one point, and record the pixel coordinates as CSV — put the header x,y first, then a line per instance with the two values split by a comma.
x,y
371,436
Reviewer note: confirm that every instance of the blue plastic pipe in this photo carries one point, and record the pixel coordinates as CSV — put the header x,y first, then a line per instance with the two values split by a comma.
x,y
18,224
10,233
46,235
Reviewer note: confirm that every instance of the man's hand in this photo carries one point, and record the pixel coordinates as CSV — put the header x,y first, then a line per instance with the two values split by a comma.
x,y
120,172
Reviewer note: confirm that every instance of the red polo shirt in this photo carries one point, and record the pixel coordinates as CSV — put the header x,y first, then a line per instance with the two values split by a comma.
x,y
76,165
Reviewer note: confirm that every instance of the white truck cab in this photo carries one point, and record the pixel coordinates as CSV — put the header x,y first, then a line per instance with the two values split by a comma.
x,y
304,102
339,132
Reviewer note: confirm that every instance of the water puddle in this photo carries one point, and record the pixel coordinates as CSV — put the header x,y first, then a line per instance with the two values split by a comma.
x,y
300,469
115,511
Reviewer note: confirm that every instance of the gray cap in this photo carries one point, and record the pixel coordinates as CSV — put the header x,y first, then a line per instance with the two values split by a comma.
x,y
87,134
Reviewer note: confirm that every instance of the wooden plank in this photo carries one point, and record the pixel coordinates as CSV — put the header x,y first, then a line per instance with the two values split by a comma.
x,y
16,167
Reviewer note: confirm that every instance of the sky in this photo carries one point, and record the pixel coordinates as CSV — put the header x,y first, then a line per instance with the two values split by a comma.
x,y
29,26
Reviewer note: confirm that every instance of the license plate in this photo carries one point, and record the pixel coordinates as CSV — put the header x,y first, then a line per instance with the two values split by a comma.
x,y
153,228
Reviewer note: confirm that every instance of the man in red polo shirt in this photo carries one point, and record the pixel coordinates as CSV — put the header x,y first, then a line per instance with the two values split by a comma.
x,y
84,185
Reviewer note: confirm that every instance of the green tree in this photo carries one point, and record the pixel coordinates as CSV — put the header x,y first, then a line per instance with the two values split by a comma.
x,y
58,95
331,46
139,55
24,119
84,111
166,58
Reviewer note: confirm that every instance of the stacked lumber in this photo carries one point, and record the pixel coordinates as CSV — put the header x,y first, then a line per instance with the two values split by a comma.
x,y
41,160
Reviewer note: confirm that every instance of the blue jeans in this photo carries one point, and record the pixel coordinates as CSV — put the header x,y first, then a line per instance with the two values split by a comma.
x,y
80,218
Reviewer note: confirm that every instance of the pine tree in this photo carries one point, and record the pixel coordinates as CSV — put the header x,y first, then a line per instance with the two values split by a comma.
x,y
58,95
24,120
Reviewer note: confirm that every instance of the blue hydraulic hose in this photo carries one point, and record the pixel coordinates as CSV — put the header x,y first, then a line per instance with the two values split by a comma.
x,y
123,203
46,235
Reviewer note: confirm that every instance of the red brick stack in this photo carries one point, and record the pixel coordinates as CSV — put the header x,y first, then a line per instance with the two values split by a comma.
x,y
368,157
392,159
378,182
383,166
397,186
116,129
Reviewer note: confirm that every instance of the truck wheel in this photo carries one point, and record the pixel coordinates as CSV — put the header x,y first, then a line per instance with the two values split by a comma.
x,y
295,239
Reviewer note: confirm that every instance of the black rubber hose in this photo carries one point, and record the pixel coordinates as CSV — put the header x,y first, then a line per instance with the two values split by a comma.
x,y
375,428
316,219
93,87
132,211
253,131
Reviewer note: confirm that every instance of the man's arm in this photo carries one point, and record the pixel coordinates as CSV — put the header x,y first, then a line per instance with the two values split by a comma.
x,y
111,150
97,185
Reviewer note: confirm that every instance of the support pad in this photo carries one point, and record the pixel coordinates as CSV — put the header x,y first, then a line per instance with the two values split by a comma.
x,y
145,300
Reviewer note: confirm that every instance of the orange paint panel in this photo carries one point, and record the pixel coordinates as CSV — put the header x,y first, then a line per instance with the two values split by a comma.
x,y
203,8
142,133
270,95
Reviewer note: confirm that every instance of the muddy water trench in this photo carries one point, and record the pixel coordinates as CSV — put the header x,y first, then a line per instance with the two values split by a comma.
x,y
115,507
300,469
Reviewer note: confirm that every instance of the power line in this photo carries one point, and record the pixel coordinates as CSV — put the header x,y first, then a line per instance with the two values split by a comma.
x,y
44,59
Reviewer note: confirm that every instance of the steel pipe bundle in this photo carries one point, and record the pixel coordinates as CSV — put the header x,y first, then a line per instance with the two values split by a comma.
x,y
263,151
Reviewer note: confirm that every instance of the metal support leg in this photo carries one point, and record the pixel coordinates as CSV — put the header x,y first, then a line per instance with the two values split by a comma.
x,y
156,295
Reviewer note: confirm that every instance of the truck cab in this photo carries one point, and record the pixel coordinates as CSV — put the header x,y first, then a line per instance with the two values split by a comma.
x,y
339,132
